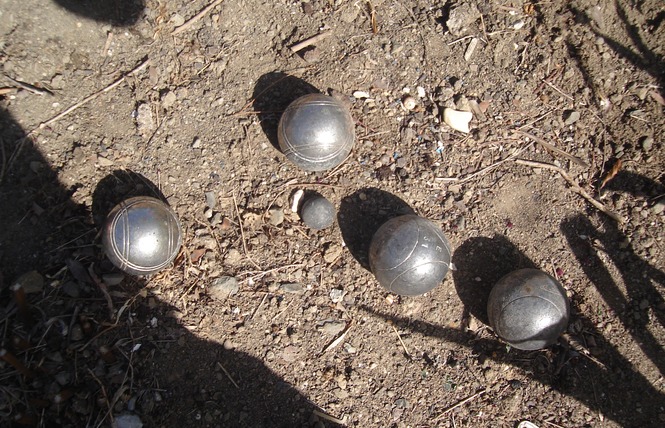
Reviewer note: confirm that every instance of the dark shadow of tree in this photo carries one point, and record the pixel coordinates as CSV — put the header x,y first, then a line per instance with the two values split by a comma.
x,y
607,383
641,55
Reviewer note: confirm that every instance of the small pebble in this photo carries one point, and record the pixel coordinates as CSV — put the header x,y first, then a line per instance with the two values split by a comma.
x,y
458,120
276,216
647,143
223,287
317,212
293,288
31,282
570,117
658,207
127,421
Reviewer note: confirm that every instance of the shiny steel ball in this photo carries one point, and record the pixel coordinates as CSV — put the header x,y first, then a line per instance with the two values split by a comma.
x,y
317,212
409,255
528,309
141,235
316,132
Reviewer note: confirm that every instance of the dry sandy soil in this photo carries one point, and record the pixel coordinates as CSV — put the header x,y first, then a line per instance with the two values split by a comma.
x,y
104,100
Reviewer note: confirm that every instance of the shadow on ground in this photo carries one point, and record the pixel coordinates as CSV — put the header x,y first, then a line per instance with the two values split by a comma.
x,y
606,383
117,12
360,216
90,359
273,92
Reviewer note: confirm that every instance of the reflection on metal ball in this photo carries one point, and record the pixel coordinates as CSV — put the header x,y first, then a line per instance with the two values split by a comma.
x,y
316,132
141,235
409,255
317,212
528,309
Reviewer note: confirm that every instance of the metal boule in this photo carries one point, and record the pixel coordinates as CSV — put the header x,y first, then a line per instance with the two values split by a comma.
x,y
409,255
316,132
142,235
528,309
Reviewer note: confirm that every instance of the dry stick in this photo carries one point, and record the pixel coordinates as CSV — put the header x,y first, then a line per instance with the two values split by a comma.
x,y
573,184
28,87
195,18
401,341
309,42
228,375
486,169
460,403
327,417
21,303
89,98
242,233
554,149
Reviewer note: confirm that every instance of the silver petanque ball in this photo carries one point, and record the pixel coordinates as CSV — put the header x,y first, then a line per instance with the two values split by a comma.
x,y
528,309
316,132
317,212
409,255
141,235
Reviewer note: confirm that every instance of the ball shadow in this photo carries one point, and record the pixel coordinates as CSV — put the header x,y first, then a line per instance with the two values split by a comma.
x,y
118,186
117,12
480,262
273,92
360,216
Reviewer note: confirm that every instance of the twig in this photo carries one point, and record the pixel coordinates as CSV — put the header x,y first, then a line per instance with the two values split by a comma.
x,y
102,286
254,275
242,233
195,18
89,98
401,341
575,187
558,90
460,403
554,149
310,41
228,375
327,417
29,87
484,170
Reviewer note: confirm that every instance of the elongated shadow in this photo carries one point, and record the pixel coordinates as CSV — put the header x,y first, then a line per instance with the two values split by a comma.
x,y
627,397
360,216
273,92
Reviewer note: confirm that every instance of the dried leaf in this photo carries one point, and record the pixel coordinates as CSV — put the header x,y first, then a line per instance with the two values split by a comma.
x,y
78,271
610,175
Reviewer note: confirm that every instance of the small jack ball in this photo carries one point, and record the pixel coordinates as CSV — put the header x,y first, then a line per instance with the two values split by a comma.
x,y
528,309
317,212
316,132
141,235
409,255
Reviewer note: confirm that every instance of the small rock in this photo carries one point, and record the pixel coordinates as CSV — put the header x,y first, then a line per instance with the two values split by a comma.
x,y
208,213
409,102
336,295
361,94
570,117
276,216
658,207
233,258
102,161
341,394
177,20
293,288
647,143
332,328
461,16
127,421
169,99
228,344
290,354
216,219
312,55
350,348
223,287
76,333
31,282
144,119
332,253
211,200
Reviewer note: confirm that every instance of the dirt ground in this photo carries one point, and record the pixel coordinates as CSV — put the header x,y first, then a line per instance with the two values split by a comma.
x,y
262,321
